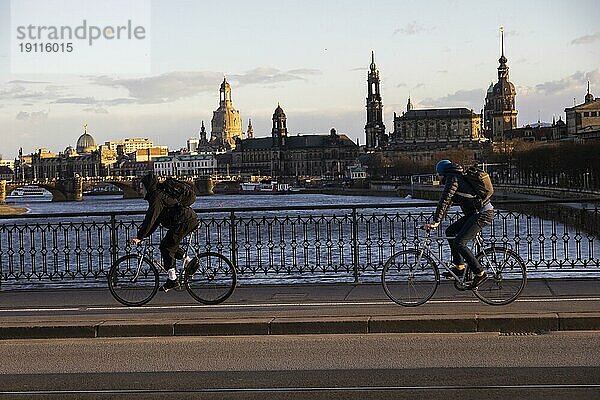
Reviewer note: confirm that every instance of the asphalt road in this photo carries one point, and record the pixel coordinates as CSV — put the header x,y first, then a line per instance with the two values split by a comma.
x,y
375,366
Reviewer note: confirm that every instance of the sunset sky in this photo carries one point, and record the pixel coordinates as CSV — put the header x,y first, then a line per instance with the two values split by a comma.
x,y
312,57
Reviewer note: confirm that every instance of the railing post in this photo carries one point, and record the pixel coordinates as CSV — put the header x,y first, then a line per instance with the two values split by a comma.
x,y
113,238
355,259
233,238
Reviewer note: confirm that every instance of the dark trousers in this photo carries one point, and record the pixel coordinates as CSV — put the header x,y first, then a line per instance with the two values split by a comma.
x,y
169,245
464,230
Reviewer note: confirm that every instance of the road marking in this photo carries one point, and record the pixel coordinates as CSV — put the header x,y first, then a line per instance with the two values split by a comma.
x,y
300,389
279,305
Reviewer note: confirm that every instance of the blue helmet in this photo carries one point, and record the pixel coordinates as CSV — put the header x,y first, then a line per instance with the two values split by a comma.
x,y
440,167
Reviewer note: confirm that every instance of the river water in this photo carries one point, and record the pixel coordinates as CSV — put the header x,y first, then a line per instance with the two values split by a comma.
x,y
112,203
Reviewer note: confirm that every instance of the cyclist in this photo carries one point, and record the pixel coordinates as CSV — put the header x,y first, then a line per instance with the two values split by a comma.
x,y
179,220
477,214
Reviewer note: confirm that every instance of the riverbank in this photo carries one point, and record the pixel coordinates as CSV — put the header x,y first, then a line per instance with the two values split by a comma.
x,y
10,210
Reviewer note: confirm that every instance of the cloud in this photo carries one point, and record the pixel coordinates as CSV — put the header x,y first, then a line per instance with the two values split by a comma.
x,y
360,69
442,71
96,109
587,39
270,76
22,82
305,71
36,116
419,85
411,29
473,98
402,84
163,88
76,100
576,81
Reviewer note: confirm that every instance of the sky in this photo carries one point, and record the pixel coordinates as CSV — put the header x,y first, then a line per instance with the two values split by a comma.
x,y
312,57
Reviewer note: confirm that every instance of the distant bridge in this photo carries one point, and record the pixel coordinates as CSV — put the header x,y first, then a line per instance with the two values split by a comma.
x,y
71,189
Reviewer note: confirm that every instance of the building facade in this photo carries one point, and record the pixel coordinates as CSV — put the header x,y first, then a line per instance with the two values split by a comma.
x,y
374,129
583,120
226,123
437,128
284,156
128,145
186,165
500,114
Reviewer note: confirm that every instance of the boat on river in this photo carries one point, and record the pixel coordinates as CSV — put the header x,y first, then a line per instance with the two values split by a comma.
x,y
28,193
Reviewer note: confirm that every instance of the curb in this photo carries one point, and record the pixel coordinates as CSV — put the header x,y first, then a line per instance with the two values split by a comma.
x,y
503,323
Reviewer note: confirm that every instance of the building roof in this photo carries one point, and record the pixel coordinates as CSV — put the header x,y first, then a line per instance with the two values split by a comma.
x,y
5,170
439,113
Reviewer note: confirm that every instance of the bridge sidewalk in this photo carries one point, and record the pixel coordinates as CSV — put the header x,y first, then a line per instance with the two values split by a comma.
x,y
545,306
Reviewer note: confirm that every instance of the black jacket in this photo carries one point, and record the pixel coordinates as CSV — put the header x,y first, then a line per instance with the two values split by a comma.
x,y
163,210
456,191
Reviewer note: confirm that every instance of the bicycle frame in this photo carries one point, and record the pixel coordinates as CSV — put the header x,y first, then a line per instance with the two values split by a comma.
x,y
424,246
144,254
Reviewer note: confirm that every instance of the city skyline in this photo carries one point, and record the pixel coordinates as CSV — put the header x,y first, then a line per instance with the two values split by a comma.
x,y
443,55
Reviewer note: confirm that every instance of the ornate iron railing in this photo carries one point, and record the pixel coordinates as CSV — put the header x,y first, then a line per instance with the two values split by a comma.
x,y
291,244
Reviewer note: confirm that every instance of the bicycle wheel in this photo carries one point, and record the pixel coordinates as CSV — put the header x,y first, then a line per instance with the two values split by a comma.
x,y
130,287
507,276
210,278
410,277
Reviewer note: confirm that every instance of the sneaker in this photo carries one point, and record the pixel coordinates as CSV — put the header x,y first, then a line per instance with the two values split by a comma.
x,y
456,271
478,280
170,284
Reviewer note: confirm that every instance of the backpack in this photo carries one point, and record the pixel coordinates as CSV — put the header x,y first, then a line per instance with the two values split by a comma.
x,y
480,182
182,192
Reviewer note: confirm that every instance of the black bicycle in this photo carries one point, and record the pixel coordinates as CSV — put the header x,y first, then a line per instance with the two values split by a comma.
x,y
209,277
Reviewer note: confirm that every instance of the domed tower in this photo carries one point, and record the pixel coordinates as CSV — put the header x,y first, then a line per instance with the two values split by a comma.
x,y
86,143
500,103
226,122
374,129
589,97
279,131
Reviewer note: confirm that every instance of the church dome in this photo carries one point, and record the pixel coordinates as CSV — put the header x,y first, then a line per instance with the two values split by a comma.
x,y
504,88
278,112
86,144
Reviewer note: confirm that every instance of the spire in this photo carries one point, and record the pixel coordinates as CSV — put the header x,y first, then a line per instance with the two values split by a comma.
x,y
589,97
409,105
250,132
503,68
85,125
502,34
373,66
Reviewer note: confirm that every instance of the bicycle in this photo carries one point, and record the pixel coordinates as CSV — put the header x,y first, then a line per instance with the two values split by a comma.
x,y
209,277
410,277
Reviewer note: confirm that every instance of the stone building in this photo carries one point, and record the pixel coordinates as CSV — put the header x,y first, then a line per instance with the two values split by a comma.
x,y
583,120
86,160
374,129
539,132
436,128
285,156
500,114
226,122
186,165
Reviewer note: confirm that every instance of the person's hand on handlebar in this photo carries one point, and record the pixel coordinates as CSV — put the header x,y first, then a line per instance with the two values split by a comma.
x,y
135,241
430,227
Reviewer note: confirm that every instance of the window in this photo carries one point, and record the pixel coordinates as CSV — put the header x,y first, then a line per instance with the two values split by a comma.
x,y
594,113
586,114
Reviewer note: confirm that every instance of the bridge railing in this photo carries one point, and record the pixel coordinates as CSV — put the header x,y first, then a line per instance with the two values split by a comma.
x,y
293,244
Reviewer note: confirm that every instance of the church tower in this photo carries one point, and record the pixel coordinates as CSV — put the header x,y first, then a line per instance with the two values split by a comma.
x,y
250,132
374,129
279,131
226,123
500,114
